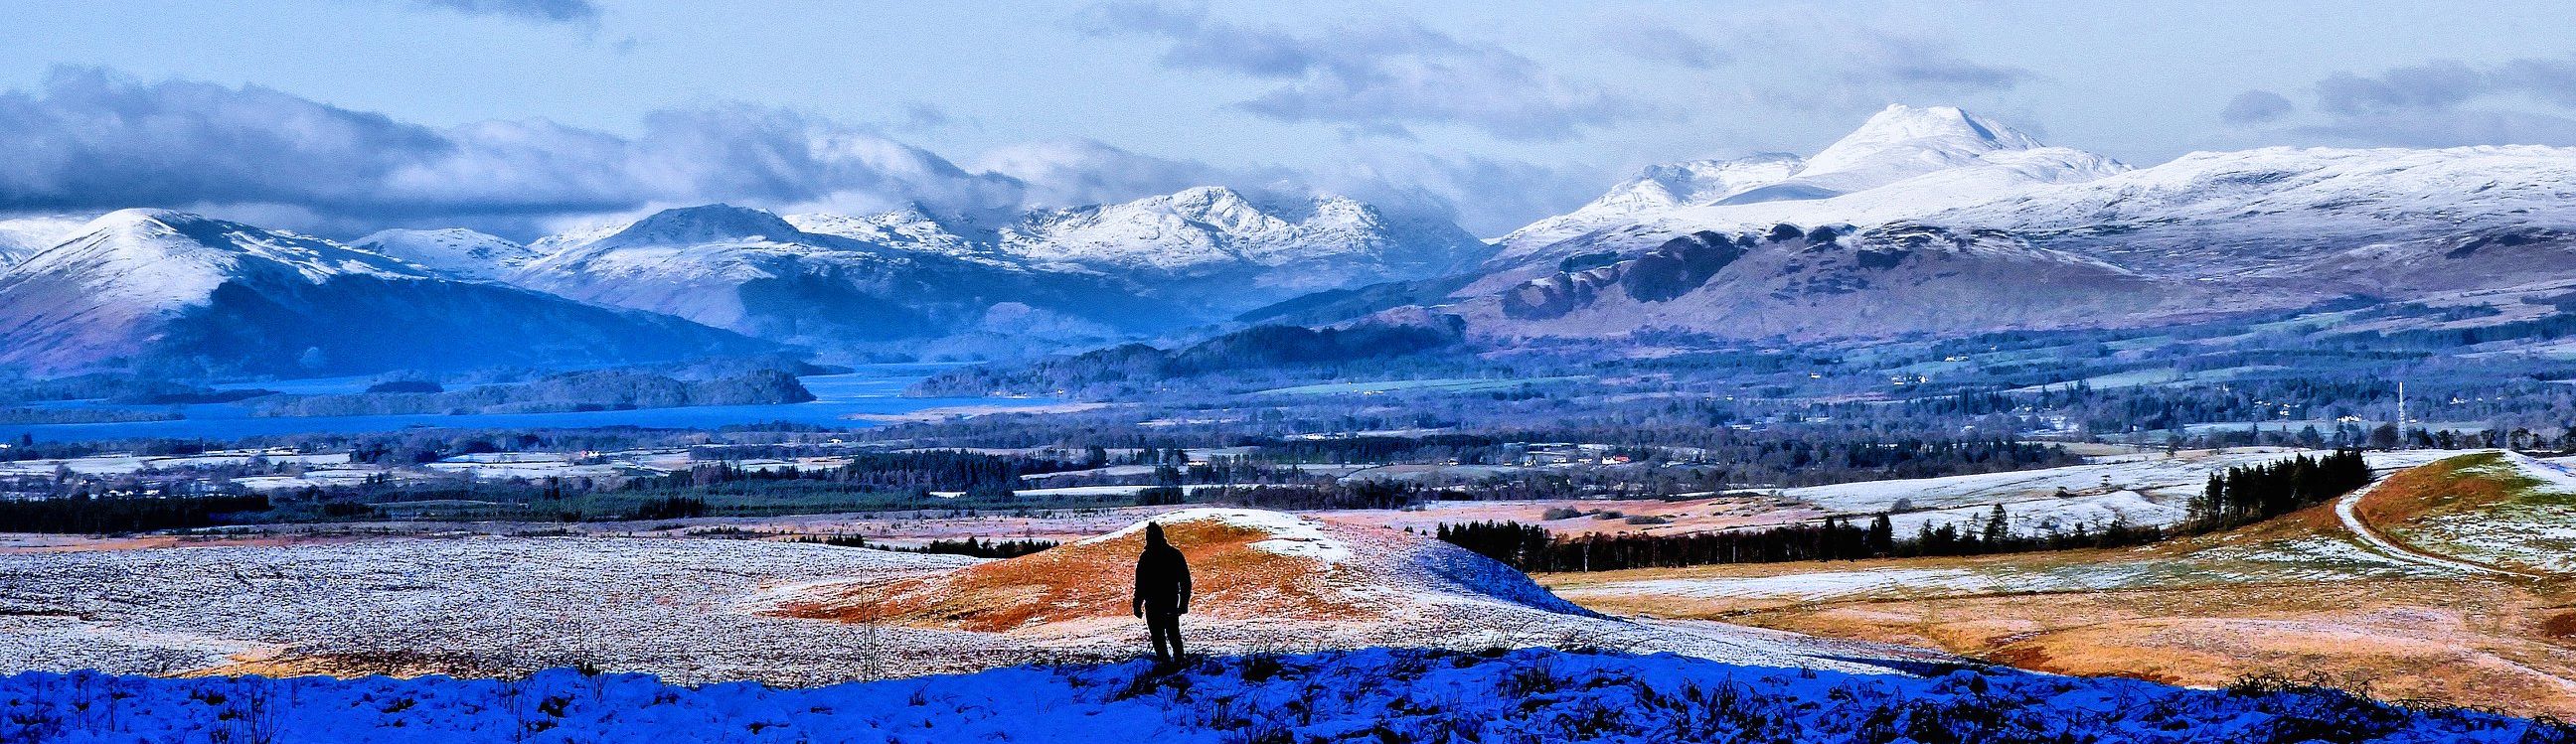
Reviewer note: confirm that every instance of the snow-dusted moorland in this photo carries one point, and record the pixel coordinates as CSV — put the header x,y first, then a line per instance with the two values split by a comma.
x,y
1374,695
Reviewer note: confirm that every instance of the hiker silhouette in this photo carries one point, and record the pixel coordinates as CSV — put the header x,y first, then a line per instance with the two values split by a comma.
x,y
1162,592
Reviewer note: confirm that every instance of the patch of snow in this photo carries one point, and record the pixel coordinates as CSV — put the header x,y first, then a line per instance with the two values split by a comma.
x,y
1290,535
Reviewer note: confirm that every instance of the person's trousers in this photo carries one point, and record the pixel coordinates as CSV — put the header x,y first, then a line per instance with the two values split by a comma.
x,y
1164,626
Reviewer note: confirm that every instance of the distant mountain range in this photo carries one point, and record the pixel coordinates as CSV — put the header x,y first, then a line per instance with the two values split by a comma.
x,y
904,283
1924,220
1936,220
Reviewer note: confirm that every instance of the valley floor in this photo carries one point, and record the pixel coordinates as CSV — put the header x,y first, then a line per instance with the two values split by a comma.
x,y
2438,606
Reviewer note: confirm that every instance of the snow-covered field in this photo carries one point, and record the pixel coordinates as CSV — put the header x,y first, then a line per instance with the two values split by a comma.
x,y
697,611
2141,490
1377,695
659,606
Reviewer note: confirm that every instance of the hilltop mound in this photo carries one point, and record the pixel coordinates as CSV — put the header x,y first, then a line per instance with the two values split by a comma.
x,y
1370,695
1246,565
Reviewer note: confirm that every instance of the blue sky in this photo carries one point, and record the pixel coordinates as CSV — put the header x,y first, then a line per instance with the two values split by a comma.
x,y
522,115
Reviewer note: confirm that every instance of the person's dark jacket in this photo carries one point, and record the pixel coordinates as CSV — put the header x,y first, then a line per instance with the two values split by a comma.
x,y
1162,576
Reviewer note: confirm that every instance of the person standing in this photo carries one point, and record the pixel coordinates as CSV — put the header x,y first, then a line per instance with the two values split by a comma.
x,y
1162,592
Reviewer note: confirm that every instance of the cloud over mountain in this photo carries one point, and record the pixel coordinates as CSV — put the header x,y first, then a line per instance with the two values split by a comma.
x,y
2447,102
92,139
554,11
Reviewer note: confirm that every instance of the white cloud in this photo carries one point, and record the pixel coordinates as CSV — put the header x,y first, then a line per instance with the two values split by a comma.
x,y
2443,103
2255,107
1377,78
552,11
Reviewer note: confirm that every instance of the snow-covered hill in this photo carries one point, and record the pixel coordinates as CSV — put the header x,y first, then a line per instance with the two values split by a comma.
x,y
2277,211
453,252
1264,578
1894,278
1252,565
141,285
1375,695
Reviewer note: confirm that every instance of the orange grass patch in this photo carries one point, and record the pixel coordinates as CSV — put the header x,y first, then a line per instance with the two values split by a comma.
x,y
2440,487
1231,579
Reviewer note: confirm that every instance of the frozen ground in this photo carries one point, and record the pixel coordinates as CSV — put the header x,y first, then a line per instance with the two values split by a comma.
x,y
1376,695
695,611
652,605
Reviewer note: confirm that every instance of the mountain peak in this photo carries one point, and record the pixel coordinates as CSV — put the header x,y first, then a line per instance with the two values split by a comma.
x,y
452,251
710,223
1908,131
141,219
1209,200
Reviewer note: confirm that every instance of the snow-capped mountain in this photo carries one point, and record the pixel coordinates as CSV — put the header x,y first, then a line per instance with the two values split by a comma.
x,y
1902,142
1199,255
2037,236
751,271
1901,164
453,252
1217,234
144,286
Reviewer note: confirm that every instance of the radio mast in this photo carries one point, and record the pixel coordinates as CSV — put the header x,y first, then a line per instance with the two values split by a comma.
x,y
2401,415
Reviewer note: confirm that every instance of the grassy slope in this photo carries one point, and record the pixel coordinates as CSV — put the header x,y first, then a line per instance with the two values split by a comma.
x,y
2489,508
2293,597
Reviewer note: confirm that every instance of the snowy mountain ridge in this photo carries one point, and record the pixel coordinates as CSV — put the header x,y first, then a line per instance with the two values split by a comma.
x,y
25,236
1206,251
1901,162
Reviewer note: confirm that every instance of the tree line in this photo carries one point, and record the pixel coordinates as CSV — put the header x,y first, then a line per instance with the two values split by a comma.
x,y
2248,494
118,514
2239,496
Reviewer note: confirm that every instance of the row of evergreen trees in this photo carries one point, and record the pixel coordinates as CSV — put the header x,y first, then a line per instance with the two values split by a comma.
x,y
970,546
2249,494
975,473
2239,496
112,515
1532,548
